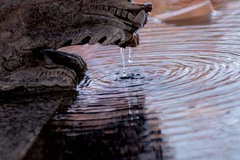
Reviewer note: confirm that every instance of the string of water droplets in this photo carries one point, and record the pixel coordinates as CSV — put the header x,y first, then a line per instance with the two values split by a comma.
x,y
130,51
130,60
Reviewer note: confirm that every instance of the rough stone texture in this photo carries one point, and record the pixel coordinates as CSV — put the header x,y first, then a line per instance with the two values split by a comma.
x,y
28,28
22,118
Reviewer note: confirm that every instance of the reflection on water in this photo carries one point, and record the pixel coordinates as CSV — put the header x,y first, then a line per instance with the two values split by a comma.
x,y
182,101
22,117
102,126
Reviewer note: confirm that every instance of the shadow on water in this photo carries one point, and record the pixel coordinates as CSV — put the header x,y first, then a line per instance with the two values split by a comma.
x,y
106,127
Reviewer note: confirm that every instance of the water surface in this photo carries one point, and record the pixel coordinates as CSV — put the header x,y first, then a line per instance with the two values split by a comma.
x,y
180,99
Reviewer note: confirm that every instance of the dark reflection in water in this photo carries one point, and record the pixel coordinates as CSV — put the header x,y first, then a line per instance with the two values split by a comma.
x,y
108,127
180,100
22,118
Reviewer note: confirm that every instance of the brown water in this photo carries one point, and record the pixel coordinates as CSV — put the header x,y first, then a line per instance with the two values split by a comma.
x,y
179,101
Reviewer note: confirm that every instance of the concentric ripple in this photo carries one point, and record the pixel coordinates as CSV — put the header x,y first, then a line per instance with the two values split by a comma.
x,y
181,99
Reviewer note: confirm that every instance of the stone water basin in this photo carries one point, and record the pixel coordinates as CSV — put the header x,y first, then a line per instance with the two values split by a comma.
x,y
181,101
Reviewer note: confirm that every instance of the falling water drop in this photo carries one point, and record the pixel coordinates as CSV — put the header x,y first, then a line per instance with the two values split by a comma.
x,y
123,61
130,55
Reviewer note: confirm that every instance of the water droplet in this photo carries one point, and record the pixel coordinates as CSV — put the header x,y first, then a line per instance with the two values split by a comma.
x,y
123,62
130,55
124,73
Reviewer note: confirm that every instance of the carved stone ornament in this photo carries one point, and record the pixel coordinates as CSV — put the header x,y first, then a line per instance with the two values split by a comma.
x,y
31,31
